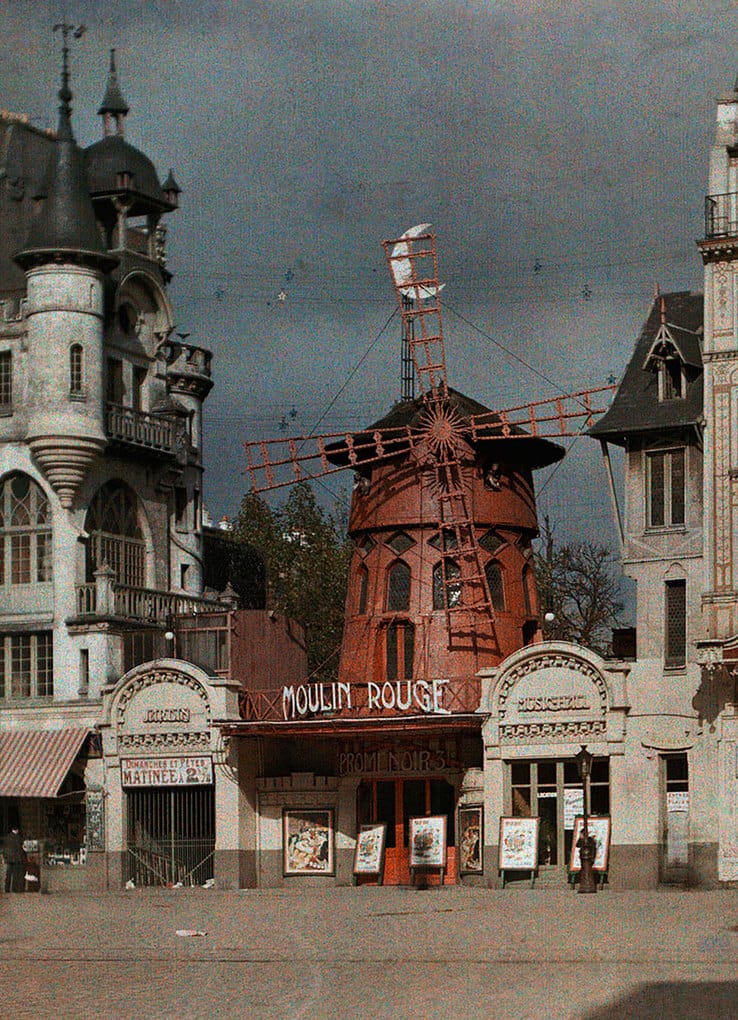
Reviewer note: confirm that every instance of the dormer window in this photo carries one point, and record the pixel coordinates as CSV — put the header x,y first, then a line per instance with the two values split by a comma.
x,y
672,382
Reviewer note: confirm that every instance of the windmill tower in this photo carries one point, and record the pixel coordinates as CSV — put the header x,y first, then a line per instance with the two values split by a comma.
x,y
442,515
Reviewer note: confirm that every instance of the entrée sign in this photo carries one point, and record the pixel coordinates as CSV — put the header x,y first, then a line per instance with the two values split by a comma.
x,y
397,696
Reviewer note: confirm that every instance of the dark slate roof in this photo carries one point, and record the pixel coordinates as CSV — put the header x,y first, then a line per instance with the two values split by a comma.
x,y
66,222
112,155
527,452
636,407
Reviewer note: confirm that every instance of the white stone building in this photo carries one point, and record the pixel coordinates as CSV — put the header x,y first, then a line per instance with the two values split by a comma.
x,y
100,457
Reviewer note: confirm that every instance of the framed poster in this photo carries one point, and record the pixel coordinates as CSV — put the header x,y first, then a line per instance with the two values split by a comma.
x,y
599,827
307,841
370,843
518,844
428,842
471,839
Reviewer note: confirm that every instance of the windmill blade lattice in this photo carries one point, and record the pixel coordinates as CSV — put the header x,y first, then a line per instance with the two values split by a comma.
x,y
439,438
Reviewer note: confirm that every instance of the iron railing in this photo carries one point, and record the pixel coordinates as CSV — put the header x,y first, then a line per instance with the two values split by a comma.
x,y
721,215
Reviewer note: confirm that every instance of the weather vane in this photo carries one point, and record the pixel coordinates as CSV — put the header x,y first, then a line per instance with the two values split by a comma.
x,y
76,31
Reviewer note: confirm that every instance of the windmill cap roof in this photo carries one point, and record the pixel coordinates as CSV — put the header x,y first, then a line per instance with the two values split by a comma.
x,y
520,449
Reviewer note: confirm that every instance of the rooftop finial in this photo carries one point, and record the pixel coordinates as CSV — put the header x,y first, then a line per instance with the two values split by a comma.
x,y
113,108
65,93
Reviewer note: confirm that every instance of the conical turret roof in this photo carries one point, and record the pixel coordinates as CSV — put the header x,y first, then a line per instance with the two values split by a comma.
x,y
113,101
66,223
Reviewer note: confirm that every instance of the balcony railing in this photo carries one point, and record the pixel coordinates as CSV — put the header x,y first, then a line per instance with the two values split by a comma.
x,y
721,215
145,605
148,431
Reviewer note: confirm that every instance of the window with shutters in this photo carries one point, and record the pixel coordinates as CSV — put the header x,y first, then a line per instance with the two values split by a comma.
x,y
675,651
665,484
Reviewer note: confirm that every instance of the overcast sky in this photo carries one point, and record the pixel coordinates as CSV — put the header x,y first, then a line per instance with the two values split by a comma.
x,y
559,150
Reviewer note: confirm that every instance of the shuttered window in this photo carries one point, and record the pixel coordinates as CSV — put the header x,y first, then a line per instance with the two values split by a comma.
x,y
666,488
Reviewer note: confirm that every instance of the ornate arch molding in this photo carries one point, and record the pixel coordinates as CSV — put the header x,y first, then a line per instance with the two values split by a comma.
x,y
559,694
159,707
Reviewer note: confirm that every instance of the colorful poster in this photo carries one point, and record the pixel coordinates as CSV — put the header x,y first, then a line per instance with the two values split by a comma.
x,y
307,840
428,842
598,826
471,839
518,844
369,857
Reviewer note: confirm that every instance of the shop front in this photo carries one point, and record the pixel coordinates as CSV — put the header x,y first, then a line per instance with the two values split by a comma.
x,y
168,782
325,776
47,791
545,702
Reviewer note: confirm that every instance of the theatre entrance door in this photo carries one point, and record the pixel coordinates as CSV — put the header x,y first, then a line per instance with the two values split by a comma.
x,y
395,802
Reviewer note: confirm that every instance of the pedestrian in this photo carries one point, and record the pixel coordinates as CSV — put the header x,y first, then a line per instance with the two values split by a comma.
x,y
15,861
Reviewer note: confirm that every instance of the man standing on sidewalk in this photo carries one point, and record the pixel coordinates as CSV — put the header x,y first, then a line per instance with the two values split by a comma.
x,y
15,861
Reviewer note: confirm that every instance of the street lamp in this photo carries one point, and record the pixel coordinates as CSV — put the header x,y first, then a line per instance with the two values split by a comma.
x,y
586,843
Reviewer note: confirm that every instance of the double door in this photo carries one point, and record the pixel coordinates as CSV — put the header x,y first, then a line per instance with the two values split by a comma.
x,y
552,790
395,802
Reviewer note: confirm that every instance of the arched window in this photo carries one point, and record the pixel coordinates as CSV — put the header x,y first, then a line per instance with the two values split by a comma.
x,y
363,587
115,535
398,587
400,650
76,371
25,532
493,573
446,593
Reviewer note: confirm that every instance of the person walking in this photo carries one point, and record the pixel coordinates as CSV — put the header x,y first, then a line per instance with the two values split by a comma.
x,y
15,861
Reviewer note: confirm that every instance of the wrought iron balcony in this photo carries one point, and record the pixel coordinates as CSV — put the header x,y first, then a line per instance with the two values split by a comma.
x,y
145,431
721,215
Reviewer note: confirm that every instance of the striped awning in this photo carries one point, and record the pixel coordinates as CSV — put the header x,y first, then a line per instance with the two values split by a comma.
x,y
34,763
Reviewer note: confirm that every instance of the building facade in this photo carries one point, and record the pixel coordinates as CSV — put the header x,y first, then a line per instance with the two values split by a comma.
x,y
100,459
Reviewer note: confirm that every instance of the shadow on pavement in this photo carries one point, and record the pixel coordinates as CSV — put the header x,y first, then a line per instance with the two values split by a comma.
x,y
677,1000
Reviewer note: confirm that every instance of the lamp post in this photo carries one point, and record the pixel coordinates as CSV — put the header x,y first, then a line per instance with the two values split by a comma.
x,y
586,843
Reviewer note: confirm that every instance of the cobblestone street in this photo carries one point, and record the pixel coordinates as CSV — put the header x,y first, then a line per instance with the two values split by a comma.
x,y
371,952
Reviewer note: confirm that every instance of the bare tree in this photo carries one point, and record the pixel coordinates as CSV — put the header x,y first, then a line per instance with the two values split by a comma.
x,y
579,584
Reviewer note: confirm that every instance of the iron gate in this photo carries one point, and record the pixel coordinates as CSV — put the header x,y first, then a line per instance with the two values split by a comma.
x,y
171,835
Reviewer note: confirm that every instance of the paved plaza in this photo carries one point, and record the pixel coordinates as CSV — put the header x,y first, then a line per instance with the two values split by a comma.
x,y
375,953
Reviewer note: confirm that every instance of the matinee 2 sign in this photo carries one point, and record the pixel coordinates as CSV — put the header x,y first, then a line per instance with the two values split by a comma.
x,y
404,696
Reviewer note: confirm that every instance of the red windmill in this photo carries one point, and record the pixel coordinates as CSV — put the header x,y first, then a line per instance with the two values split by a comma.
x,y
442,519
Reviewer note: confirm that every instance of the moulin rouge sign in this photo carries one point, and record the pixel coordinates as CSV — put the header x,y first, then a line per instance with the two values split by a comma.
x,y
404,696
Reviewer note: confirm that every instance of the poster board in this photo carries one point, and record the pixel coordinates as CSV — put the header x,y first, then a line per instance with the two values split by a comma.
x,y
598,826
307,841
370,844
518,850
428,842
471,839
